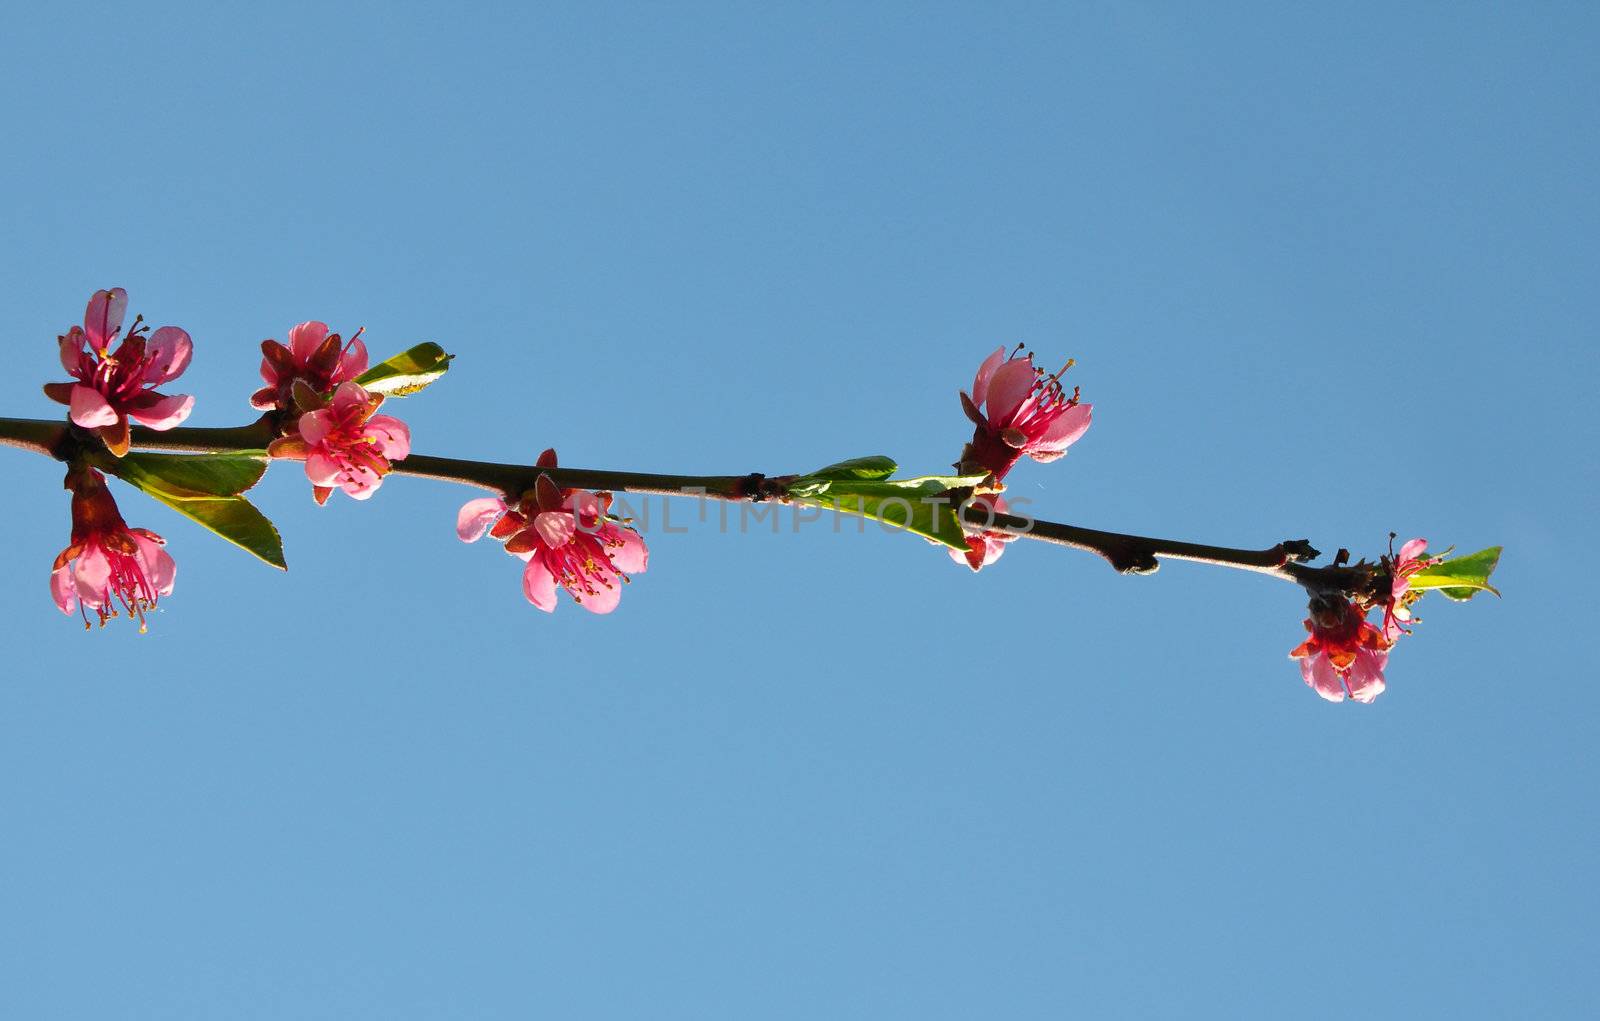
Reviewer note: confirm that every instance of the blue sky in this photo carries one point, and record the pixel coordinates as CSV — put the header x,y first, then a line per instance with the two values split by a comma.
x,y
1326,274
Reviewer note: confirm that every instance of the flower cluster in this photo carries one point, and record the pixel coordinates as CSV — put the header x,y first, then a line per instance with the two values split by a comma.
x,y
313,356
1017,411
116,385
1346,653
107,564
566,537
345,444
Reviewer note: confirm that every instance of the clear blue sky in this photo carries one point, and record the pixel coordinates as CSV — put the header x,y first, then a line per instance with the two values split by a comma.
x,y
1327,274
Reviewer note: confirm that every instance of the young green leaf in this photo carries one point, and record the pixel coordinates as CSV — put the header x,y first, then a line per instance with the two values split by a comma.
x,y
1462,578
407,372
205,488
191,476
920,505
874,467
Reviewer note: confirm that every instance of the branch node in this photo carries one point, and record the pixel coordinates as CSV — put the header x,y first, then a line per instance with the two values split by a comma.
x,y
1298,551
1133,561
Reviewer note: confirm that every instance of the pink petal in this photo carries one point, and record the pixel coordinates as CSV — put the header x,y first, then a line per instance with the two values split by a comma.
x,y
555,528
353,362
604,599
169,350
1413,549
165,412
316,425
1065,430
993,548
104,315
980,383
363,484
1323,678
61,588
159,567
1366,674
305,339
476,516
538,584
631,557
91,574
71,350
1008,388
349,397
584,504
90,409
321,469
393,436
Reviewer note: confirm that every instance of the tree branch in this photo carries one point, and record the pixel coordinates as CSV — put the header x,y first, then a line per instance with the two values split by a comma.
x,y
1128,554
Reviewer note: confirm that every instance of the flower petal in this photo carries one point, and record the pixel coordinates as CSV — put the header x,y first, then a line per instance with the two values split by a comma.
x,y
169,351
1322,677
353,362
103,317
62,590
1366,675
362,484
1067,427
555,528
159,567
980,383
163,412
315,426
350,396
305,338
604,598
632,557
1413,549
90,409
392,435
476,516
1008,388
90,574
321,469
71,349
538,584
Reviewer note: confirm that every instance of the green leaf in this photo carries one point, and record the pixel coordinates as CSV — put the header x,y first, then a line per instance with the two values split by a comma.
x,y
861,486
205,488
1462,578
874,467
192,476
236,520
407,372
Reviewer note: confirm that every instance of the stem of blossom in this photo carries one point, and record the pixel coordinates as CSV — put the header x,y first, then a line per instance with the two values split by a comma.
x,y
1128,554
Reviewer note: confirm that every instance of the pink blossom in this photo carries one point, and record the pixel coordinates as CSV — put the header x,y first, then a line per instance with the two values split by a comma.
x,y
1344,652
984,546
1402,566
114,386
345,445
107,563
566,538
313,355
1019,411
